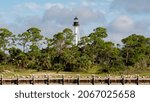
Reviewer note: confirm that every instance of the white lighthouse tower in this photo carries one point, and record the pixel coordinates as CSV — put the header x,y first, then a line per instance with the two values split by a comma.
x,y
76,30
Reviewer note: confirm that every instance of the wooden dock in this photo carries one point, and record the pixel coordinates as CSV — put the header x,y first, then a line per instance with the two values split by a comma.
x,y
74,80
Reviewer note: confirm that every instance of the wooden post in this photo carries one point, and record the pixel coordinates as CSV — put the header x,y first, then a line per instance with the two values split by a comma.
x,y
17,80
47,79
123,81
63,79
1,80
93,79
137,80
78,79
108,79
33,80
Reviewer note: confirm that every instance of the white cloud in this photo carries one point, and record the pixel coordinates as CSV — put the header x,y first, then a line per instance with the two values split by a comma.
x,y
88,3
55,17
122,24
132,6
29,5
63,17
50,5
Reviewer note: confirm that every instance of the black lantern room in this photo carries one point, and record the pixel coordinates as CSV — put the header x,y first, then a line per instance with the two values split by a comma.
x,y
76,22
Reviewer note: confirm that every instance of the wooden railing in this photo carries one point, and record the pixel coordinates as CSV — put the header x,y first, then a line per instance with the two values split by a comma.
x,y
63,80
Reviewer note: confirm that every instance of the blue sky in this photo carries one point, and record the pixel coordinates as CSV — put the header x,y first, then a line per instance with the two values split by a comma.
x,y
121,17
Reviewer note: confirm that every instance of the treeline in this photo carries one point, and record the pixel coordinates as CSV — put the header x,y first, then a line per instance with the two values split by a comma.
x,y
31,50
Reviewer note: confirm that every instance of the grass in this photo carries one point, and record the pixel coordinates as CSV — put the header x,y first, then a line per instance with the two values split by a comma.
x,y
11,71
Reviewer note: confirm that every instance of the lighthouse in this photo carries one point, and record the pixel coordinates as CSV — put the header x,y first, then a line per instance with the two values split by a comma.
x,y
76,30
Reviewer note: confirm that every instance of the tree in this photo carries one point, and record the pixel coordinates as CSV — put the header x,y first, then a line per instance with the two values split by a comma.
x,y
24,40
99,52
36,40
61,43
60,54
5,42
6,37
93,44
3,57
17,57
71,58
31,39
36,37
63,40
136,50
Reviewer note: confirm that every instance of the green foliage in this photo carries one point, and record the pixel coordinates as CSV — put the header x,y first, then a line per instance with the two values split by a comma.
x,y
5,36
3,56
92,54
24,40
136,50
